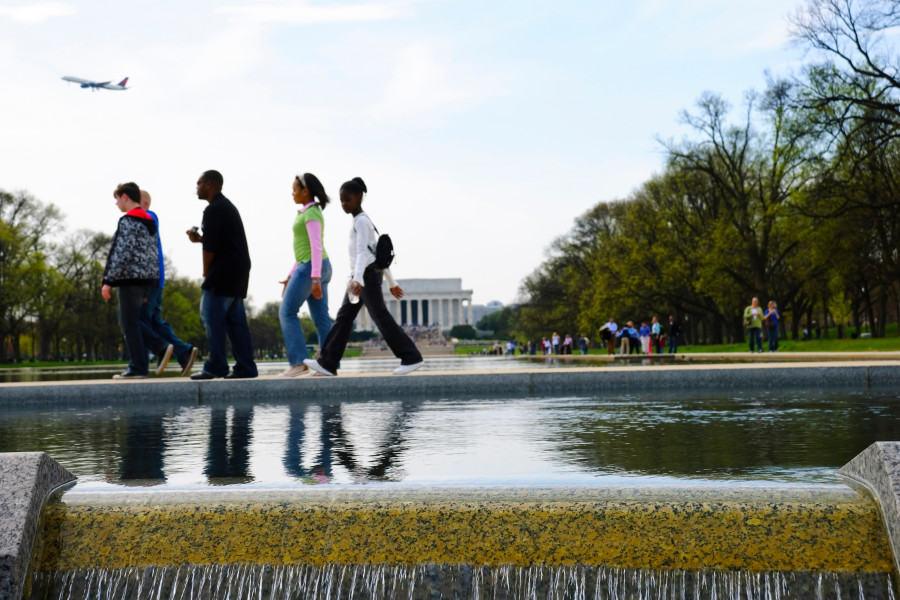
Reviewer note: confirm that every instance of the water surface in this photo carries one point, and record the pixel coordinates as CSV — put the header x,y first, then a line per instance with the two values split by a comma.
x,y
768,437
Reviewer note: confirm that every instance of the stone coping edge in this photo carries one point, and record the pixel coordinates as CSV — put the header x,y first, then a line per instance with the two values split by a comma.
x,y
538,382
26,480
877,469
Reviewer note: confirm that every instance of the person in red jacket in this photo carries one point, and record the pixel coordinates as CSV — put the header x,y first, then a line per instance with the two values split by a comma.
x,y
132,266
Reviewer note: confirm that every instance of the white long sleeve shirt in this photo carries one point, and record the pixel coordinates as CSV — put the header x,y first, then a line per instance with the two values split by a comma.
x,y
363,239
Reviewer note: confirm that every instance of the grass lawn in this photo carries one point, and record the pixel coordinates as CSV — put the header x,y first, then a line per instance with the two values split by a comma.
x,y
886,344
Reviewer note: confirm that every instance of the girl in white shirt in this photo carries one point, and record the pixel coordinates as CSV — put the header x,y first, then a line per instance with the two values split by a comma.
x,y
366,285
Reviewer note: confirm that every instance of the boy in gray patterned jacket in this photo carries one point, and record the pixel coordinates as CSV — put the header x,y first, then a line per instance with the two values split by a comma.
x,y
133,267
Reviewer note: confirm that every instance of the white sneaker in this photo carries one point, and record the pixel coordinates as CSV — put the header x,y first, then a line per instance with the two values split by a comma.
x,y
164,359
294,371
315,366
404,369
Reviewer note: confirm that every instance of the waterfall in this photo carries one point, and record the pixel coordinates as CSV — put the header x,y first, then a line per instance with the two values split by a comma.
x,y
449,582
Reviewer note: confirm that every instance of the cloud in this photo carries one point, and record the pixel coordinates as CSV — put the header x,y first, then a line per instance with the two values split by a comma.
x,y
301,13
31,14
226,55
419,84
773,35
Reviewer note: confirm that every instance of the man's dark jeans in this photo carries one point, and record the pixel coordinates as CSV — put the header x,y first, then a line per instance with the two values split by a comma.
x,y
225,315
157,333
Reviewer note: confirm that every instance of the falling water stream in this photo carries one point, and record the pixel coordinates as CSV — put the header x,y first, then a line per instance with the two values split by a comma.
x,y
456,582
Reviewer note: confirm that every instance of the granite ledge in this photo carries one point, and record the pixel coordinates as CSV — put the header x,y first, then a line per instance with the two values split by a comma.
x,y
26,479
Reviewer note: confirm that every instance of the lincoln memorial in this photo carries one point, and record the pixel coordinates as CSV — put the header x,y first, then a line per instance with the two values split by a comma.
x,y
440,302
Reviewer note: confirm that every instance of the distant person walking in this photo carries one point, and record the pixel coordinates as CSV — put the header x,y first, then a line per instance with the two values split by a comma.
x,y
309,277
753,318
644,334
772,316
628,334
132,266
608,334
226,275
154,329
656,335
364,290
673,332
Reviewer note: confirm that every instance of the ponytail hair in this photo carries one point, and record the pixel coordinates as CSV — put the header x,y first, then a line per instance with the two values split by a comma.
x,y
315,187
355,186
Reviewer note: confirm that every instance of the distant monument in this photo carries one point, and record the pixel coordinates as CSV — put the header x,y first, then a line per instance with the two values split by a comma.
x,y
428,302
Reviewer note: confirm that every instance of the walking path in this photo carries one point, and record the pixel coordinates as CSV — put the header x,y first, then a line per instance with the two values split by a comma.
x,y
814,373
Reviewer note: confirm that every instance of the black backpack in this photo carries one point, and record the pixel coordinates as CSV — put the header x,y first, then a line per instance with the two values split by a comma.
x,y
384,249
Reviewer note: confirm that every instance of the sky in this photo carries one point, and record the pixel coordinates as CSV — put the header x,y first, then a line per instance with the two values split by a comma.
x,y
482,129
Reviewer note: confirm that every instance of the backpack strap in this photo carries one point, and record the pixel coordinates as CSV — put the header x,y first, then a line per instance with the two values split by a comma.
x,y
372,223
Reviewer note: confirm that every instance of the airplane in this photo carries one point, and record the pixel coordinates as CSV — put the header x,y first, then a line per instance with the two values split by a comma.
x,y
98,85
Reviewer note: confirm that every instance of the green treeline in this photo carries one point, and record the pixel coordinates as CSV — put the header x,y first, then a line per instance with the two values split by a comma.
x,y
793,198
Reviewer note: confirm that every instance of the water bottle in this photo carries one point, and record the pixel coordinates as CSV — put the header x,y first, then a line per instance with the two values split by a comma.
x,y
350,295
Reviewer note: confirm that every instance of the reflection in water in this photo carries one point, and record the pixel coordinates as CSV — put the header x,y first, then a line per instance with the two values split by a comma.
x,y
228,455
142,456
336,441
651,438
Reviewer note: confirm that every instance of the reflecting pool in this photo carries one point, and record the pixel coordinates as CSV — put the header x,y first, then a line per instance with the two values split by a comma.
x,y
654,438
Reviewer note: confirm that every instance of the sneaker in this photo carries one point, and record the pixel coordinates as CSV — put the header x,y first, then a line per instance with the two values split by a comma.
x,y
202,376
234,375
129,375
162,361
317,374
294,371
404,369
315,366
189,364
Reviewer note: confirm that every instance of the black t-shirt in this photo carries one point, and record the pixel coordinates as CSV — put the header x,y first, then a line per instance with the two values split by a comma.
x,y
223,235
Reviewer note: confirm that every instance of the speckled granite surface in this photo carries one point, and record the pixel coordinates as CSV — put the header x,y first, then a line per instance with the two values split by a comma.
x,y
877,469
757,529
26,478
859,375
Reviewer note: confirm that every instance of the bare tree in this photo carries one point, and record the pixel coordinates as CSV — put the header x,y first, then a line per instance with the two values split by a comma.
x,y
859,80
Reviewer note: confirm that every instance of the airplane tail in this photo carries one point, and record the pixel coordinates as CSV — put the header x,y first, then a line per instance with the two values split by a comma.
x,y
123,82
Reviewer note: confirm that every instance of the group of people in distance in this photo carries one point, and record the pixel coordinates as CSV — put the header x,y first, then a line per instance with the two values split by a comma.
x,y
135,266
754,320
647,339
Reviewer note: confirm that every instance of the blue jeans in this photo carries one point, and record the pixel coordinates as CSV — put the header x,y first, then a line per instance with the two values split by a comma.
x,y
755,338
157,333
298,291
773,338
225,315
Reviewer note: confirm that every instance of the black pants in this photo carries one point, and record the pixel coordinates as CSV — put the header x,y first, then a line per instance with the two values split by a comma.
x,y
131,298
333,348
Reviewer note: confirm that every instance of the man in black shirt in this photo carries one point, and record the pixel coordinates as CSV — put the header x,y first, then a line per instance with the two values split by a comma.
x,y
226,272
